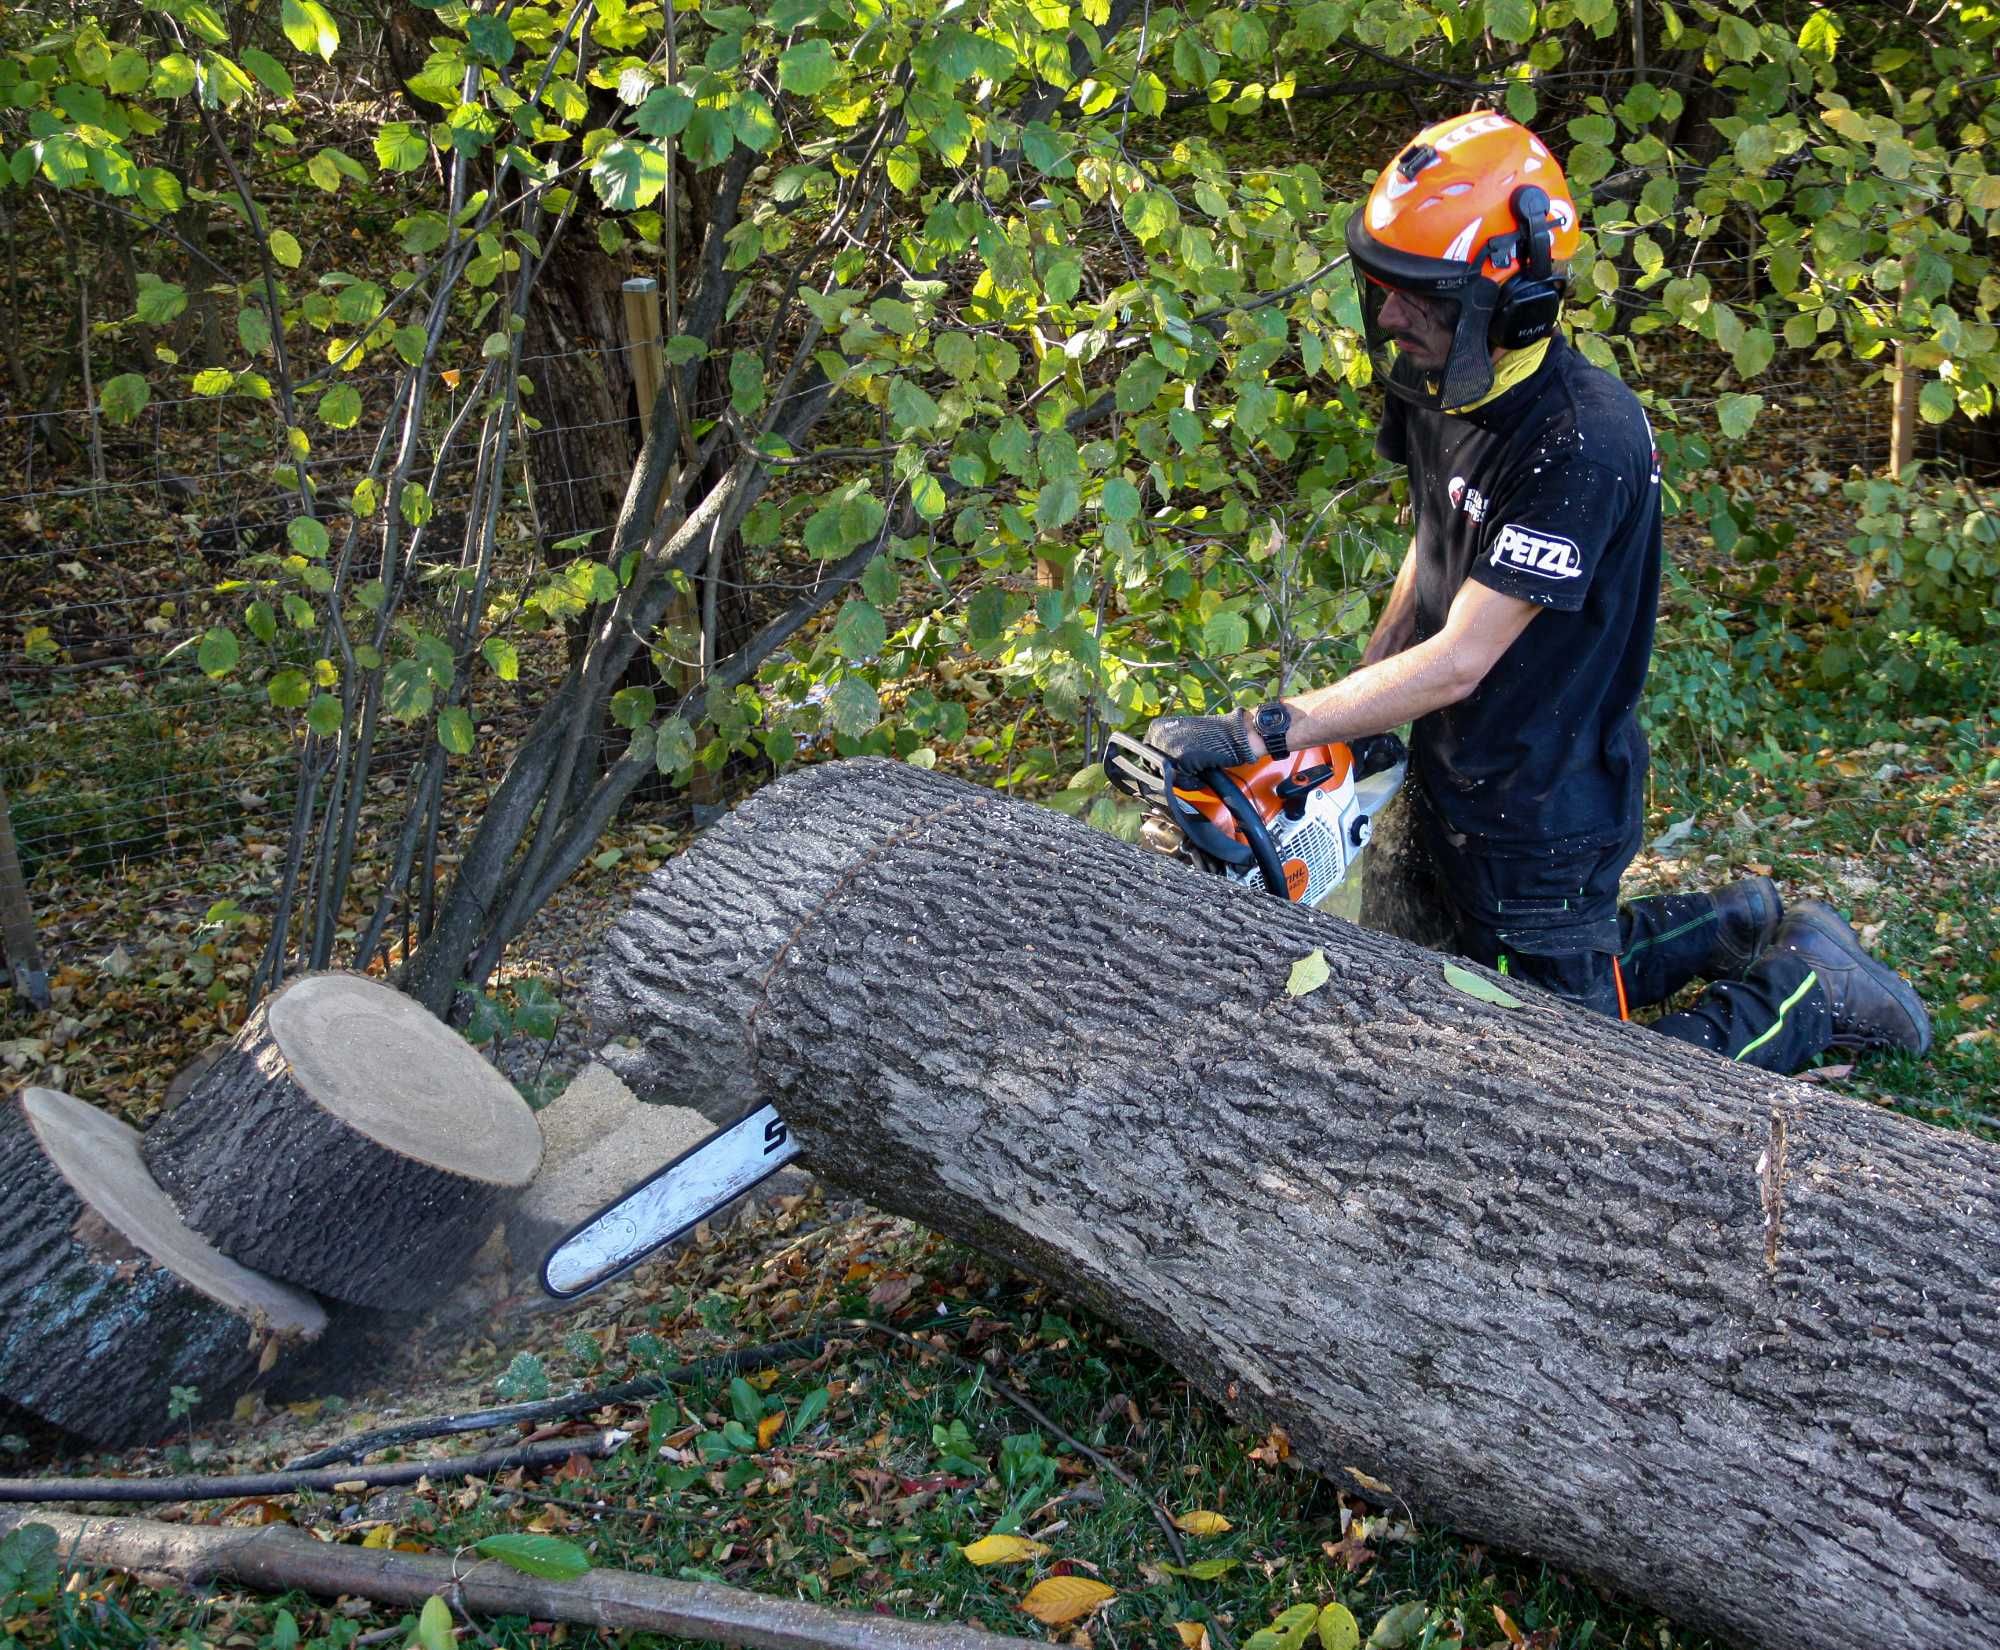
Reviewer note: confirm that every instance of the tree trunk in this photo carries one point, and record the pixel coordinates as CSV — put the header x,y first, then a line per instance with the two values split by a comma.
x,y
107,1299
349,1142
1719,1339
581,457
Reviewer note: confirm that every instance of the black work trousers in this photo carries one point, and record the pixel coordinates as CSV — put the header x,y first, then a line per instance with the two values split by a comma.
x,y
1551,916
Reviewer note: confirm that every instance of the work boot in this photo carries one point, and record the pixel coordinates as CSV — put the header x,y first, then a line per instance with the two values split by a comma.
x,y
1747,917
1871,1005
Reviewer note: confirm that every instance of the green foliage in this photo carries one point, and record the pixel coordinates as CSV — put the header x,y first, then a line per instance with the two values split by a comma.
x,y
546,1556
524,1381
30,1571
1103,428
524,1006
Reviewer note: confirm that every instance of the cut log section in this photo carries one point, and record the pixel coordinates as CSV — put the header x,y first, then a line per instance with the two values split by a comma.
x,y
348,1142
107,1299
1722,1340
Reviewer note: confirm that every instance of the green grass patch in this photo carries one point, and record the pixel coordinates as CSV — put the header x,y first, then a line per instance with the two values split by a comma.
x,y
855,1479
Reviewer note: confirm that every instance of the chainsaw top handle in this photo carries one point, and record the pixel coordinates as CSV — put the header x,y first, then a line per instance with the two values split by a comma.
x,y
1140,771
1262,848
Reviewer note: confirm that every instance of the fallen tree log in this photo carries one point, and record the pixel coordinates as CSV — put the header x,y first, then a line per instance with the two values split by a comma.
x,y
107,1300
1720,1340
278,1559
348,1141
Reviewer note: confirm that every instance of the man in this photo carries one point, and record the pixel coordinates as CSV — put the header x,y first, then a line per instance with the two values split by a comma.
x,y
1519,630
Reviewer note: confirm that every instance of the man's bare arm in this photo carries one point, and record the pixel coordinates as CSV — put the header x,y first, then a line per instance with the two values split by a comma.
x,y
1397,627
1480,627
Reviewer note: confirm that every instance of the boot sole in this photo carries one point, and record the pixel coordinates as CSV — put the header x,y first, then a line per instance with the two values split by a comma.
x,y
1830,925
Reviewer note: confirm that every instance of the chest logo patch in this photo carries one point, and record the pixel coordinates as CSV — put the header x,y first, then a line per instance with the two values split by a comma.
x,y
1543,553
1469,499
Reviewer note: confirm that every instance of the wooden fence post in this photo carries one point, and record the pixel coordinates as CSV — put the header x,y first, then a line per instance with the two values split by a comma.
x,y
649,369
17,919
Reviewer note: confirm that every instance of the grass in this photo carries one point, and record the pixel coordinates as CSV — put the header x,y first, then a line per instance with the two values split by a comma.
x,y
882,1458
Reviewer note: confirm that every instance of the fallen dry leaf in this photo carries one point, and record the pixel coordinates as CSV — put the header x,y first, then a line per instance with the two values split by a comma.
x,y
1063,1599
1003,1549
1202,1523
1194,1635
1374,1485
767,1429
1338,1629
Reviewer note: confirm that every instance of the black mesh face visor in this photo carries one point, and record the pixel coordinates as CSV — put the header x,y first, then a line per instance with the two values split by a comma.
x,y
1426,323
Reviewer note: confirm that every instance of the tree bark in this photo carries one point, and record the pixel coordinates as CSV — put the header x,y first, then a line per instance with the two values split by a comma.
x,y
107,1300
1716,1338
349,1142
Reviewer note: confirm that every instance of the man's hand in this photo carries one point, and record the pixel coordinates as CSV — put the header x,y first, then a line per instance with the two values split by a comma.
x,y
1194,744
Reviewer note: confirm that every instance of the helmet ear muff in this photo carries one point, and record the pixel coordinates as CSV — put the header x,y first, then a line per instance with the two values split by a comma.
x,y
1531,302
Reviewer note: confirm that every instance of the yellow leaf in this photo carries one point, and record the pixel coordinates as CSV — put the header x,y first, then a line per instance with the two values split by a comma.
x,y
1973,1001
1194,1636
1308,974
1514,1634
767,1429
382,1537
1003,1549
1372,1484
1338,1629
1202,1523
1063,1599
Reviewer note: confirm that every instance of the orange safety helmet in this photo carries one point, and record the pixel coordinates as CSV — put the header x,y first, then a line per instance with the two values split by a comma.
x,y
1474,222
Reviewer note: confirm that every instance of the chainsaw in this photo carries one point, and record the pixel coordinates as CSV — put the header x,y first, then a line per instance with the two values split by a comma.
x,y
1291,826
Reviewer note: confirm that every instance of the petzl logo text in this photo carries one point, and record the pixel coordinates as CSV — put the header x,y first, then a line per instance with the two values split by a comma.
x,y
1543,553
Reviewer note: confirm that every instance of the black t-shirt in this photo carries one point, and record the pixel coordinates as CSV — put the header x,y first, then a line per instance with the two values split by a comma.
x,y
1549,492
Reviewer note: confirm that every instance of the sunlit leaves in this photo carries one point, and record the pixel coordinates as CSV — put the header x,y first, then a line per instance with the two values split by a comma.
x,y
628,175
1337,1628
400,147
308,537
310,27
1288,1631
1061,1600
500,654
1003,1549
1150,214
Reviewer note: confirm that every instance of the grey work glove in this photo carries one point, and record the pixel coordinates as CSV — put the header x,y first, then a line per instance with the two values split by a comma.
x,y
1195,744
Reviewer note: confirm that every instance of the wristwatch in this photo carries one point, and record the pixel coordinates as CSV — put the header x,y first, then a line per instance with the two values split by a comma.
x,y
1274,722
